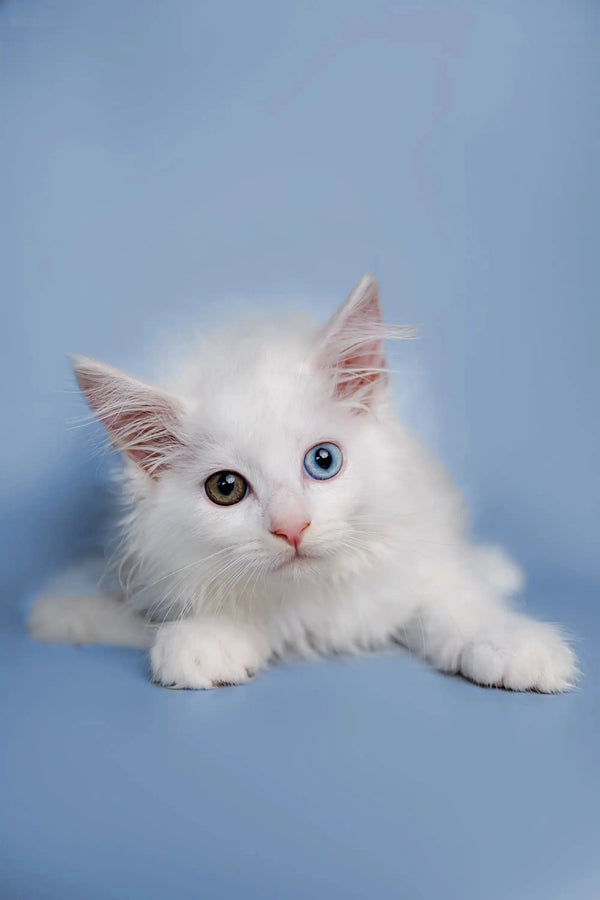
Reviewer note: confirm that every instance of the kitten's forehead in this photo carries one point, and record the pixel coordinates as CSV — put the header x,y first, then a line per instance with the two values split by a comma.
x,y
258,352
260,389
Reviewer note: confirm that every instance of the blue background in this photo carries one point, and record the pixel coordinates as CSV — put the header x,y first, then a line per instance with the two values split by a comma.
x,y
163,162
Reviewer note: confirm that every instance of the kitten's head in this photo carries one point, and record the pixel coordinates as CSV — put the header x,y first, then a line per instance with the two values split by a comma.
x,y
272,454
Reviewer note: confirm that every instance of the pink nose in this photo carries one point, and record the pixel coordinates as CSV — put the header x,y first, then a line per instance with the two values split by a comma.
x,y
290,532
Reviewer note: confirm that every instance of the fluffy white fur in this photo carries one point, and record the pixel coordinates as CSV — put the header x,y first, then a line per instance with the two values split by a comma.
x,y
216,594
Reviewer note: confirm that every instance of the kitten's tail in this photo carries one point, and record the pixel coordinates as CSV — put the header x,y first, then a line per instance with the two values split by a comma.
x,y
69,612
88,620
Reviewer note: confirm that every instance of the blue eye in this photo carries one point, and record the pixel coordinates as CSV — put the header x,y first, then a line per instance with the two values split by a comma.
x,y
323,461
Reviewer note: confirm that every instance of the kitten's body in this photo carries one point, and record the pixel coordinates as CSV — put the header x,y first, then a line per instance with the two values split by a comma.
x,y
385,556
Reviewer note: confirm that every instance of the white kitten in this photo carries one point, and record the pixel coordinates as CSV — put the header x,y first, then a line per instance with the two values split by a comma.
x,y
276,506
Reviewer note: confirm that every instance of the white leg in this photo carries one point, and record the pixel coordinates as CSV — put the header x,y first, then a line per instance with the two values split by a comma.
x,y
467,629
206,653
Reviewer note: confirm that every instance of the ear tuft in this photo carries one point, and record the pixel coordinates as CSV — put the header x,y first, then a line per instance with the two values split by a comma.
x,y
142,421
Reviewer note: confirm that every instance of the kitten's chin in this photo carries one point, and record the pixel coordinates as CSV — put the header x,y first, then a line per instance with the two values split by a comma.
x,y
300,565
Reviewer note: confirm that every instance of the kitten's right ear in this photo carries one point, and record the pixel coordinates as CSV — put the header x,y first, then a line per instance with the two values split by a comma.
x,y
142,421
351,345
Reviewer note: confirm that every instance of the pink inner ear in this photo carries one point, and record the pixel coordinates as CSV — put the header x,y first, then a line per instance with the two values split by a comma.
x,y
363,364
353,343
146,437
142,421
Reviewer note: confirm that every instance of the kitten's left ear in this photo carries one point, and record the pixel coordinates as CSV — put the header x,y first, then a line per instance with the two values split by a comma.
x,y
351,345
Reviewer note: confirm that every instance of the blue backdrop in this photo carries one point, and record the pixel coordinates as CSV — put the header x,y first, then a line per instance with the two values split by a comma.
x,y
160,162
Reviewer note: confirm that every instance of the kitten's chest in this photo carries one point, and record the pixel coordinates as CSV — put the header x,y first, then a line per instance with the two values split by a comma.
x,y
326,617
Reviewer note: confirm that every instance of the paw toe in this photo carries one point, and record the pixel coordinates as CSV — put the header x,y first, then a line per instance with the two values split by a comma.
x,y
189,655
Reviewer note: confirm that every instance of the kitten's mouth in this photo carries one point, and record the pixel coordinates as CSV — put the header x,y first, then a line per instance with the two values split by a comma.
x,y
298,558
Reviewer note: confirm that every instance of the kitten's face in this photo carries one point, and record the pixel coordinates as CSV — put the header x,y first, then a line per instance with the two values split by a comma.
x,y
281,481
270,455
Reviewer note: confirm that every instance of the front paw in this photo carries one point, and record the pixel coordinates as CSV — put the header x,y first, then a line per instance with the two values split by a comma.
x,y
521,655
204,654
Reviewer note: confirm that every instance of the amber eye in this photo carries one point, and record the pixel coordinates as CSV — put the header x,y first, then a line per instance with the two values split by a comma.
x,y
226,488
